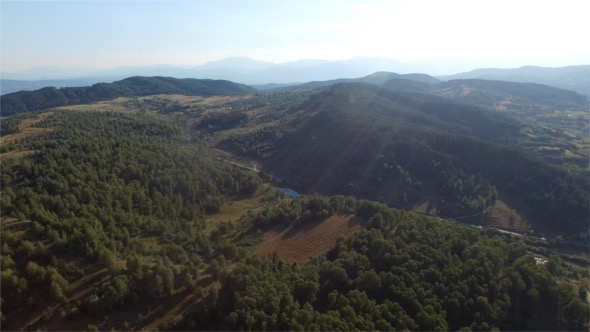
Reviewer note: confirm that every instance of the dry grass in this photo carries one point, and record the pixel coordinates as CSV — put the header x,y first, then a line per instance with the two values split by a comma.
x,y
115,105
300,244
26,129
174,97
126,104
507,218
232,211
16,154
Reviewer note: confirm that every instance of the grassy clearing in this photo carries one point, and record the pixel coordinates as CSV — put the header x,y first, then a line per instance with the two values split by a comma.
x,y
232,211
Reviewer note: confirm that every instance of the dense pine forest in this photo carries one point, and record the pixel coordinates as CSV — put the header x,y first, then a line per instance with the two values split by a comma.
x,y
106,187
404,272
146,213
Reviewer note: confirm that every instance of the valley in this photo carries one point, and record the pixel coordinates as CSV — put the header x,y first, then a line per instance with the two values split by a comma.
x,y
159,205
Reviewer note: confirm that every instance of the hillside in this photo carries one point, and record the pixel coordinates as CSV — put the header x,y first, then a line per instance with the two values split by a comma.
x,y
488,93
557,121
407,149
119,215
99,193
49,97
402,272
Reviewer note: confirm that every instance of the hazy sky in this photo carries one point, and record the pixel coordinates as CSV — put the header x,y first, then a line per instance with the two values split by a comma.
x,y
103,34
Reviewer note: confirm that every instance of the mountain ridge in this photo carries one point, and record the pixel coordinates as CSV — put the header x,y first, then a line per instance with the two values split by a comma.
x,y
254,72
136,86
575,78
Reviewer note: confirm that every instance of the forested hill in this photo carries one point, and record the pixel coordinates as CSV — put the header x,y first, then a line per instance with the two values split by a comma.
x,y
378,78
49,97
403,149
480,92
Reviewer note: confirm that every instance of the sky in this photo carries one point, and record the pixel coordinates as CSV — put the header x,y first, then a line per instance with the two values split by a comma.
x,y
107,34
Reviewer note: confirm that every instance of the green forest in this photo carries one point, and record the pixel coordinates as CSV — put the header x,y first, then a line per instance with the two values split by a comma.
x,y
373,143
404,272
26,101
101,188
119,220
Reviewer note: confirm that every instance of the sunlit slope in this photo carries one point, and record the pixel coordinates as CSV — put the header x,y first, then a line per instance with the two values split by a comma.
x,y
404,149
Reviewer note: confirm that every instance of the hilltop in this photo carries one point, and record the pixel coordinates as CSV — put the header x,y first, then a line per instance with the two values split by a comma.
x,y
49,97
574,78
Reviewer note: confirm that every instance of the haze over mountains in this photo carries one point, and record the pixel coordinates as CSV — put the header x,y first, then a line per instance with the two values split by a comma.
x,y
575,78
248,71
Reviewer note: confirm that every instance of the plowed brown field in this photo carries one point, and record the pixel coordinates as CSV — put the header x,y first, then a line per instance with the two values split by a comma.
x,y
300,244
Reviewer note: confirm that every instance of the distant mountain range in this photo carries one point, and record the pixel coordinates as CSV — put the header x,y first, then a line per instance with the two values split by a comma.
x,y
238,69
265,75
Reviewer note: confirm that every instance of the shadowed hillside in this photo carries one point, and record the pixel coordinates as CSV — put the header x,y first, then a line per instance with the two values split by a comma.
x,y
403,149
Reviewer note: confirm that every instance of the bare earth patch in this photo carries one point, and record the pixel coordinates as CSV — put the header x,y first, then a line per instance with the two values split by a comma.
x,y
507,218
427,206
466,91
300,244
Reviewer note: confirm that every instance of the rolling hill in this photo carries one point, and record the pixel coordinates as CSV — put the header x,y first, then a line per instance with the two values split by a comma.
x,y
482,92
488,93
49,97
120,215
558,120
574,78
408,149
378,78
